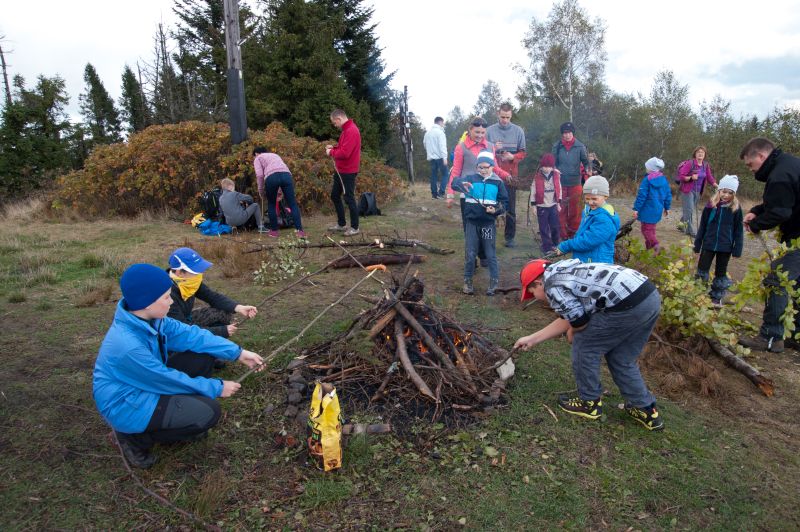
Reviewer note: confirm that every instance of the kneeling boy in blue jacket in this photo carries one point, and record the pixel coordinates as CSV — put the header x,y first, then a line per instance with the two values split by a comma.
x,y
486,199
594,241
143,400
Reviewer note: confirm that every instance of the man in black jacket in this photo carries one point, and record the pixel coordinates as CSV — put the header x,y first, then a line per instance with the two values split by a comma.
x,y
186,268
780,207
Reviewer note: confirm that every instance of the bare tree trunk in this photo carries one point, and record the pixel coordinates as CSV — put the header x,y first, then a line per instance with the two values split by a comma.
x,y
5,76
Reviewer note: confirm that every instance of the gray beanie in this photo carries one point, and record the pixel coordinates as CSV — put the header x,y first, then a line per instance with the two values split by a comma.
x,y
654,164
597,185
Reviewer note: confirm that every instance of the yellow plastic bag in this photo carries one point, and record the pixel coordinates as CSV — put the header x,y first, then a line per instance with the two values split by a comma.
x,y
325,428
198,219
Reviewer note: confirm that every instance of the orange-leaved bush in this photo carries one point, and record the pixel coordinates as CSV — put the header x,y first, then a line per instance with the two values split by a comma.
x,y
169,166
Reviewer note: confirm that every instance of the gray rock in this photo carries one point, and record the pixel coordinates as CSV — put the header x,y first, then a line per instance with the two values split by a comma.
x,y
293,398
291,411
299,387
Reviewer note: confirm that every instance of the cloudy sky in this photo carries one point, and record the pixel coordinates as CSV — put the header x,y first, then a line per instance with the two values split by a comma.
x,y
445,50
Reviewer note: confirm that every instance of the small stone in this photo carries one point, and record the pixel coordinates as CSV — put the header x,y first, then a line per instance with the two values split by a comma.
x,y
269,408
295,363
291,411
302,417
299,387
293,398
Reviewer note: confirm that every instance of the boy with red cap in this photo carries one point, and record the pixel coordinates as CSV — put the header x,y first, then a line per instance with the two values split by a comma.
x,y
606,310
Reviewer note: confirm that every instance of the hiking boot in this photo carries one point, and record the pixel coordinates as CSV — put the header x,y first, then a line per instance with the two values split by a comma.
x,y
492,287
273,234
300,234
716,303
648,416
468,288
135,455
511,243
578,407
338,228
759,343
262,229
792,344
351,231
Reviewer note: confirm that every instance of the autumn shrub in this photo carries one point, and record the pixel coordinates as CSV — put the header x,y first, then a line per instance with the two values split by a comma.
x,y
169,167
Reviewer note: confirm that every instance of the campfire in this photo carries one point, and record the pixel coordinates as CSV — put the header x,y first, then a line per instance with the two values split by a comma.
x,y
404,359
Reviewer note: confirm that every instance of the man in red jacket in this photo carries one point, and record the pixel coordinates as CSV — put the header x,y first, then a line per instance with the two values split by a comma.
x,y
346,159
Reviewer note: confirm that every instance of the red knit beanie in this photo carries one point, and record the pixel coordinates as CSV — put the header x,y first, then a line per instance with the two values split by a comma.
x,y
547,160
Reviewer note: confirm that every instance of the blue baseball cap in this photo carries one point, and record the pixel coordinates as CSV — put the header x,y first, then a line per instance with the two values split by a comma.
x,y
189,260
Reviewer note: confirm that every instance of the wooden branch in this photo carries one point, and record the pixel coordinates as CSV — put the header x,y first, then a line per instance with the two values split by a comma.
x,y
381,323
764,384
423,334
368,260
289,342
402,354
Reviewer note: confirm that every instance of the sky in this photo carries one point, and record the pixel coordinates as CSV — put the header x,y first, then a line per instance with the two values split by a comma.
x,y
445,50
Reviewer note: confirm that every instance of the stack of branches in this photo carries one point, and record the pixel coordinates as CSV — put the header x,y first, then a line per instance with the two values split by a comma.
x,y
402,352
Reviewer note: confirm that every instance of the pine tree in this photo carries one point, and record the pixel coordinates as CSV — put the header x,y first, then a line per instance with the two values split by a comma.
x,y
98,110
32,135
134,106
489,101
362,68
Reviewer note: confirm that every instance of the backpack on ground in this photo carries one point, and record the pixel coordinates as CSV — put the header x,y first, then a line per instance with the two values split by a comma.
x,y
209,202
284,214
368,205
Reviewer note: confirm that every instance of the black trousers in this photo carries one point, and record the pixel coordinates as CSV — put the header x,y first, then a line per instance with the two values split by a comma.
x,y
349,191
511,214
721,265
176,418
191,363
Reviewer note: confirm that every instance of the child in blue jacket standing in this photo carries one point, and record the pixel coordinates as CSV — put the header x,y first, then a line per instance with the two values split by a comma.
x,y
486,198
143,399
653,199
720,235
594,241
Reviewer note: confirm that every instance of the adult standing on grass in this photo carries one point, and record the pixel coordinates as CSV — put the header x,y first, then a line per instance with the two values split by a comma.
x,y
509,147
144,400
693,174
273,174
570,153
347,161
435,142
780,207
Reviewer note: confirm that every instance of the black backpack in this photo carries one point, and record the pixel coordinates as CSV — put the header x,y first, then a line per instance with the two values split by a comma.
x,y
368,205
209,202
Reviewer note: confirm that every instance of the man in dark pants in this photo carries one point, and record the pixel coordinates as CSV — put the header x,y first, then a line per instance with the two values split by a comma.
x,y
143,399
509,148
435,143
347,160
780,207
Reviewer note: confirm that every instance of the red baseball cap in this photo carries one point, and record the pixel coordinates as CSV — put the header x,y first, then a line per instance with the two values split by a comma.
x,y
530,272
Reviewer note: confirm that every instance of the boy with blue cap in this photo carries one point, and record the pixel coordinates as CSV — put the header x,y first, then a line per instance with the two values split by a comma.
x,y
186,269
143,399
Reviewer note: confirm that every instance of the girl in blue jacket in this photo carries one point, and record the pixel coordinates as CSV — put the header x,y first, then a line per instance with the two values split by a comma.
x,y
653,199
594,241
720,235
142,399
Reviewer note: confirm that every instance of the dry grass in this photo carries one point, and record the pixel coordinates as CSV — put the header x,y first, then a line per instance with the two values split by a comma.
x,y
95,293
29,210
228,256
214,490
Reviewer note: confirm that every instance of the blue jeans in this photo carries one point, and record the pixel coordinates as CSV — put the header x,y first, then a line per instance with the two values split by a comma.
x,y
688,203
778,299
620,337
282,180
438,184
484,238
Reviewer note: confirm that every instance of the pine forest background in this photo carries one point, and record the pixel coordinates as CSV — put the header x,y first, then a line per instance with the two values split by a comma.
x,y
303,58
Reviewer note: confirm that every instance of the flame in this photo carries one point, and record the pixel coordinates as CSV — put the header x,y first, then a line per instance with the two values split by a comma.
x,y
422,347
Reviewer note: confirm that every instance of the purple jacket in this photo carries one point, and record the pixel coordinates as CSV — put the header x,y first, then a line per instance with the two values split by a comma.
x,y
688,168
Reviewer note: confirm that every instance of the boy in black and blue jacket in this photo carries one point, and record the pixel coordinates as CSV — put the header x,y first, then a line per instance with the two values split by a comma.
x,y
486,199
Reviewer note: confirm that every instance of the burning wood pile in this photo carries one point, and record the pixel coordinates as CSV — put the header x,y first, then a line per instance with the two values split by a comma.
x,y
405,359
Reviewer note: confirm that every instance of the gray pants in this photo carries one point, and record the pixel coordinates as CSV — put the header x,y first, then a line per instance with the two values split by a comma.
x,y
480,238
689,203
620,336
241,216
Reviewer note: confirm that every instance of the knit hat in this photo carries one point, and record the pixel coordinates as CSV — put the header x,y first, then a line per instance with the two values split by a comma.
x,y
143,284
189,260
597,185
547,160
731,182
486,157
567,126
654,164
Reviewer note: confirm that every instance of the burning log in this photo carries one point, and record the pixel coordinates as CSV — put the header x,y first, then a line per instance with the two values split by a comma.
x,y
402,354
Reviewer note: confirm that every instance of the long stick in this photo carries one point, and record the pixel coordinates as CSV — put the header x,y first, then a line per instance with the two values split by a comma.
x,y
289,342
402,354
764,384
